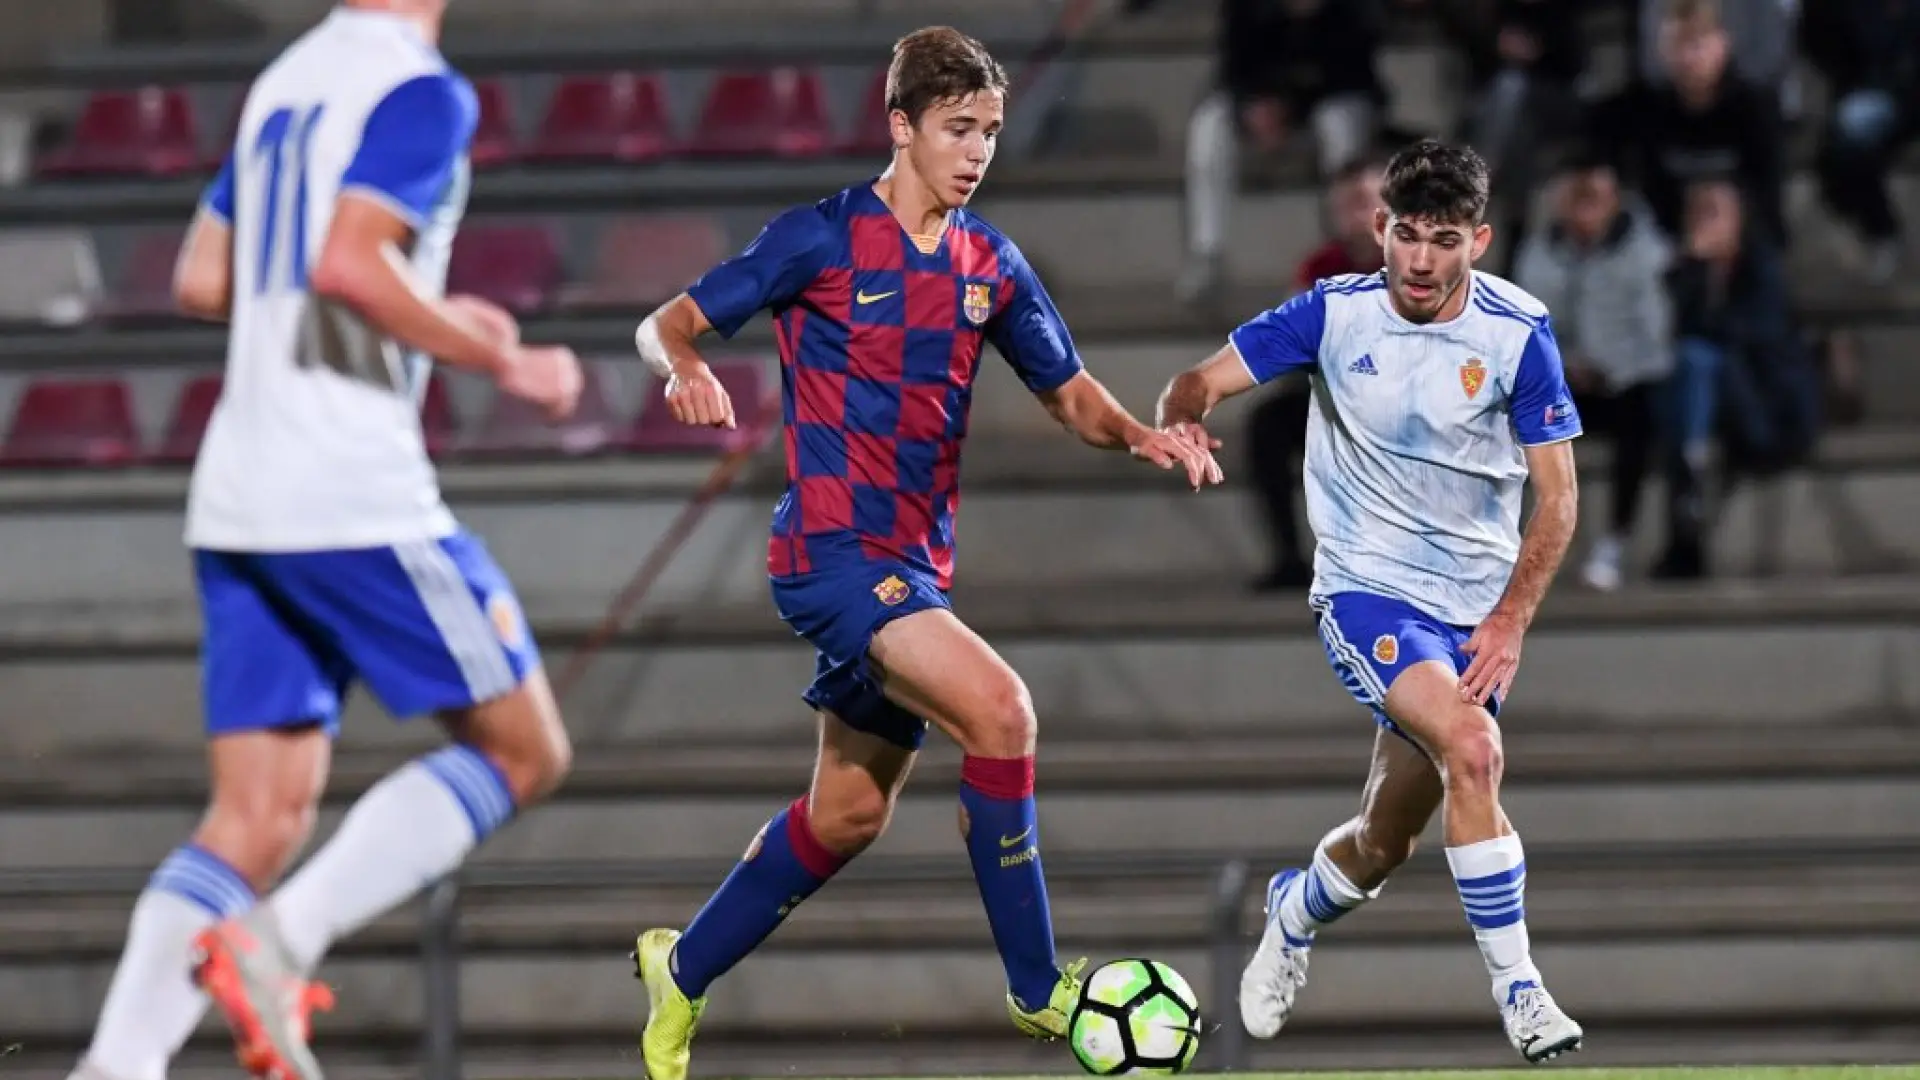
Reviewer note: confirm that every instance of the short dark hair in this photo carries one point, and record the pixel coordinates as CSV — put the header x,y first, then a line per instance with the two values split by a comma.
x,y
1439,181
938,64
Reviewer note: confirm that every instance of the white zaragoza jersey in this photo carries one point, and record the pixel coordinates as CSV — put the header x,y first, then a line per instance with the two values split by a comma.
x,y
316,443
1415,462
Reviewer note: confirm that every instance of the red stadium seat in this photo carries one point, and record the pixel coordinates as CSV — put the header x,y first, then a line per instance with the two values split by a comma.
x,y
73,422
515,426
494,142
515,266
437,422
656,431
621,117
871,133
146,282
647,260
780,113
147,131
192,411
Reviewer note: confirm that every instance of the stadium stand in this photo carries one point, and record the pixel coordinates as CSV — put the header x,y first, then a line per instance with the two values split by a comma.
x,y
1738,750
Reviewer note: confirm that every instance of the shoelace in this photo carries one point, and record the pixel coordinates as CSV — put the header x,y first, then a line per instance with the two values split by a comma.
x,y
1530,1011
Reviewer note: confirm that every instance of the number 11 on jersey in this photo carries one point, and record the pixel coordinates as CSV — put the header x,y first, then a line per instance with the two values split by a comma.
x,y
285,140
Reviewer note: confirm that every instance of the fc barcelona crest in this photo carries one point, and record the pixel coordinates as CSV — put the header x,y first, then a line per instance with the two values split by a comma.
x,y
891,591
979,302
1473,375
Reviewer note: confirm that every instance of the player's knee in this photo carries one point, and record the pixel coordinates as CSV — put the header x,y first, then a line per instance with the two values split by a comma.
x,y
1006,727
847,823
1472,759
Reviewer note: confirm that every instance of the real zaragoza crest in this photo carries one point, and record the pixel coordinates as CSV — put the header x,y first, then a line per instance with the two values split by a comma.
x,y
1473,375
979,302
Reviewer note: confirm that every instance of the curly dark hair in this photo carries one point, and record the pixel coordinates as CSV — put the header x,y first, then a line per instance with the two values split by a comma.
x,y
938,64
1438,181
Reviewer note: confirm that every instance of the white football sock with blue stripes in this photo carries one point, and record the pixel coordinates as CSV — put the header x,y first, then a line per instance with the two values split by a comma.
x,y
1320,896
409,830
1492,878
152,1005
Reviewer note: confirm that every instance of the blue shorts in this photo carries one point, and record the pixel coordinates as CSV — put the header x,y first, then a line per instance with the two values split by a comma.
x,y
428,625
1371,639
839,609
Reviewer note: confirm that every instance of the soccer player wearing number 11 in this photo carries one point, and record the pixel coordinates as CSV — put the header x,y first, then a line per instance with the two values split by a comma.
x,y
322,550
1438,394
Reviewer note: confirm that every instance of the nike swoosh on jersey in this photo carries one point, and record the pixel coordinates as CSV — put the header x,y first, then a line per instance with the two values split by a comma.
x,y
869,298
1009,841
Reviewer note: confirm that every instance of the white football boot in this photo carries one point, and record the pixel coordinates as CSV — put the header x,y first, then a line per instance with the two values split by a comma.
x,y
1535,1025
1277,970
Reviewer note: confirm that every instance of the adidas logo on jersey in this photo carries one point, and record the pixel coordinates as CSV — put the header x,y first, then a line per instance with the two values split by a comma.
x,y
1364,366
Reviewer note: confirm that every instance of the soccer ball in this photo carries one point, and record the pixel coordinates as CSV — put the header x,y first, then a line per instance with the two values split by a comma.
x,y
1135,1016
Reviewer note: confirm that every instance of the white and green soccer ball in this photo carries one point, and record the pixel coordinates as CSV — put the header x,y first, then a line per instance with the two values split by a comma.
x,y
1135,1016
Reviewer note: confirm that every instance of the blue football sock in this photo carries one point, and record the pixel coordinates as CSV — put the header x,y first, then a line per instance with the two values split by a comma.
x,y
1003,840
786,865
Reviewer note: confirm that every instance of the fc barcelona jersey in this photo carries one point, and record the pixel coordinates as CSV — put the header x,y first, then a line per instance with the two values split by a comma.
x,y
880,336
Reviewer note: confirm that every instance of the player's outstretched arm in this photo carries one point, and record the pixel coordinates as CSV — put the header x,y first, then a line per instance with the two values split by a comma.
x,y
1084,406
1269,345
203,275
1195,392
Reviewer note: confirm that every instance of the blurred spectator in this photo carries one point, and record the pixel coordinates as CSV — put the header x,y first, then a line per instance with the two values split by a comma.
x,y
1524,62
1869,53
1286,67
1601,269
1740,356
1706,123
1277,428
1760,37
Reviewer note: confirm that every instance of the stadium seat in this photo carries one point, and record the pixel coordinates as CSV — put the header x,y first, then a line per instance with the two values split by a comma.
x,y
192,411
516,426
871,133
620,117
437,421
515,266
148,131
146,281
656,431
494,142
48,276
647,260
62,422
780,113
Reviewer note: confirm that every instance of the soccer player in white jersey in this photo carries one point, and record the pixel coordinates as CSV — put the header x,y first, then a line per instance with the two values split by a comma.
x,y
1438,393
322,549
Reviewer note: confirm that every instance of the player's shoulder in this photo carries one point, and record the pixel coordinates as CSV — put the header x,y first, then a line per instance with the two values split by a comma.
x,y
1351,285
1502,300
986,238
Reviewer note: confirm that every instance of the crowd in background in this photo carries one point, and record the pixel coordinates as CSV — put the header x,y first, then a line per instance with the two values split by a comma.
x,y
1648,215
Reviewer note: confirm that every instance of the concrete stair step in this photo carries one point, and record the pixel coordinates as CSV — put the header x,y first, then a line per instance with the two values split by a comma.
x,y
1189,824
1077,755
928,990
1662,898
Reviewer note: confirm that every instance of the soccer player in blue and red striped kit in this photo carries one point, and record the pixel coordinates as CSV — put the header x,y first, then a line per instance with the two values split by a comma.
x,y
884,296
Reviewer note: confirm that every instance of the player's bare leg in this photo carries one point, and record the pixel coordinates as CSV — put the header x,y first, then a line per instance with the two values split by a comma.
x,y
1351,864
265,788
933,665
857,779
1489,865
416,825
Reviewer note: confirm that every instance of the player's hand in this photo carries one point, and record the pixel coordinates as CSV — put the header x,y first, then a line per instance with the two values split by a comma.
x,y
547,375
695,397
1495,648
493,322
1190,449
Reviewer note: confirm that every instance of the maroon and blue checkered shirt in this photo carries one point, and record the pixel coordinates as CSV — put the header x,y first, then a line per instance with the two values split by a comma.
x,y
879,347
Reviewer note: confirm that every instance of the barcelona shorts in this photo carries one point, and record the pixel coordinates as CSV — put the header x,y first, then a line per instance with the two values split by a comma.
x,y
428,625
839,609
1371,639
